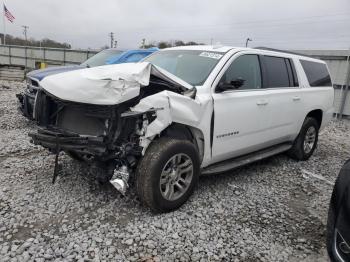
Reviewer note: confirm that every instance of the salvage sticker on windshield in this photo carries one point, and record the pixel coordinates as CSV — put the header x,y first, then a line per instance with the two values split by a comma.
x,y
210,55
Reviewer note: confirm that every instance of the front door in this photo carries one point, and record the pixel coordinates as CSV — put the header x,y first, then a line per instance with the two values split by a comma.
x,y
241,112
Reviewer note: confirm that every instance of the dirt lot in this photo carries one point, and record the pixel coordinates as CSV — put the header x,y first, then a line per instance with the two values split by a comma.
x,y
274,210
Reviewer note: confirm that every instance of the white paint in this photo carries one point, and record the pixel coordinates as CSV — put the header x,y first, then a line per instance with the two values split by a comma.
x,y
105,85
278,120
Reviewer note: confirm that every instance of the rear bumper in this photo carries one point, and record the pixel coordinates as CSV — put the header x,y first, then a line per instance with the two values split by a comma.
x,y
57,140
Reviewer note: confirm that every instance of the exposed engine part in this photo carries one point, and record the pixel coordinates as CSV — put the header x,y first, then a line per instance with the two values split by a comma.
x,y
112,135
120,179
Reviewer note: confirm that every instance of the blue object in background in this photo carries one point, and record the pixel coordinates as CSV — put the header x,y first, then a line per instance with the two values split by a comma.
x,y
105,57
131,56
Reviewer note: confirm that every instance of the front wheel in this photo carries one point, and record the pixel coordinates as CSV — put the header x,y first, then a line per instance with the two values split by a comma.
x,y
167,174
306,142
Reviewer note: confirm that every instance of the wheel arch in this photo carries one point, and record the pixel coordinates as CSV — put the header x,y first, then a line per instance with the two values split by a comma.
x,y
316,114
190,133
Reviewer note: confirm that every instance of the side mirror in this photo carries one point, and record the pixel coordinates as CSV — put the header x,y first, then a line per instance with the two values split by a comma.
x,y
234,84
238,82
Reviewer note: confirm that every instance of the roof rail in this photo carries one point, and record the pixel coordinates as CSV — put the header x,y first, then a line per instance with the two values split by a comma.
x,y
278,50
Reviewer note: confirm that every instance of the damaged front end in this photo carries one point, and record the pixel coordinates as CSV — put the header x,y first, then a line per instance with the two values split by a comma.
x,y
27,97
108,135
94,133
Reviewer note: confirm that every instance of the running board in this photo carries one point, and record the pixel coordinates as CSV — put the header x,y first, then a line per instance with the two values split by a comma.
x,y
245,160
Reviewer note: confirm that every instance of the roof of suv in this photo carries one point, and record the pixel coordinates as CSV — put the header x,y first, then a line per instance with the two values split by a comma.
x,y
225,49
211,48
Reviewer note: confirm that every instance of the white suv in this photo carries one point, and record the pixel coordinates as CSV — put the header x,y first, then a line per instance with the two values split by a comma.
x,y
183,111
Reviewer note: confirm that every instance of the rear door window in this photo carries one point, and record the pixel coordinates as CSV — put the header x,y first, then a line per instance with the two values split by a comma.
x,y
317,73
278,72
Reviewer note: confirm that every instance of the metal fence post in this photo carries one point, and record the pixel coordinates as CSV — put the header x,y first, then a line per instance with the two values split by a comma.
x,y
64,56
346,89
26,58
10,60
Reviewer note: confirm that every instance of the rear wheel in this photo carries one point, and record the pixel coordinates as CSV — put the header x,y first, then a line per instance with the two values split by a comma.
x,y
306,142
167,174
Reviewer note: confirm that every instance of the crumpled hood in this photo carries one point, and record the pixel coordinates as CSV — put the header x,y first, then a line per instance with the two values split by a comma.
x,y
106,85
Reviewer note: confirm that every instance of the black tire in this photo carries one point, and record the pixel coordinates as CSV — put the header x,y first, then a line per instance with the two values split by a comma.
x,y
148,173
75,156
339,191
297,151
331,225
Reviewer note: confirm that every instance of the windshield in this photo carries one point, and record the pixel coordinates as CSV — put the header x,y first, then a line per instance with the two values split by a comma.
x,y
192,66
101,58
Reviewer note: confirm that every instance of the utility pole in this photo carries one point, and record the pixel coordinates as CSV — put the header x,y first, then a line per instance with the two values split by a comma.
x,y
143,43
25,30
246,42
111,35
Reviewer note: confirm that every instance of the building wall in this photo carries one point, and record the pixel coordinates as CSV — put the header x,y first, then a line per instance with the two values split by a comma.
x,y
30,57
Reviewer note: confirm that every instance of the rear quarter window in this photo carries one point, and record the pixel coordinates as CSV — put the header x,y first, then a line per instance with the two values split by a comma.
x,y
316,73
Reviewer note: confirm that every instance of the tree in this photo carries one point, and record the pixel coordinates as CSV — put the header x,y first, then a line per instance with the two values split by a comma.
x,y
193,43
46,42
150,45
179,43
164,44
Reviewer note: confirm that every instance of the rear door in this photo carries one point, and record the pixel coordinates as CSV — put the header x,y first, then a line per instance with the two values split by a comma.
x,y
285,98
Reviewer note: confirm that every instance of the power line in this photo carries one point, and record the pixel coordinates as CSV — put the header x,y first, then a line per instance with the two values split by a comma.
x,y
25,30
111,35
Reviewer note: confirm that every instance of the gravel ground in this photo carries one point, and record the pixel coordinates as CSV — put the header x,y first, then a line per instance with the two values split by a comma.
x,y
274,210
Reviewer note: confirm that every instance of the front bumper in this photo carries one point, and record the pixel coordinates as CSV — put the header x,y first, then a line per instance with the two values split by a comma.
x,y
26,104
27,98
58,140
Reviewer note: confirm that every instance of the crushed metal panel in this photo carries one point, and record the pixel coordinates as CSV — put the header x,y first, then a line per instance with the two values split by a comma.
x,y
106,85
173,107
165,75
163,119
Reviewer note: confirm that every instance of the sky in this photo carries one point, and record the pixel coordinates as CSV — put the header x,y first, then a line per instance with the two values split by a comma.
x,y
285,24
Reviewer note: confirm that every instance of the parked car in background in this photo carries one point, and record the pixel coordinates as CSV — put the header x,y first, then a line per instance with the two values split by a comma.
x,y
105,57
338,226
131,56
184,111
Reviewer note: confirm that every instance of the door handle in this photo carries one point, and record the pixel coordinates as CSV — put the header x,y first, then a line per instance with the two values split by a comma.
x,y
262,102
296,98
